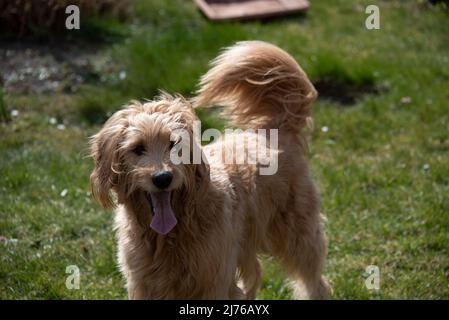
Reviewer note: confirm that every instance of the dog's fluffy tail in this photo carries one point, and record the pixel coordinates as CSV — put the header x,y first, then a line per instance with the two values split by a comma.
x,y
260,85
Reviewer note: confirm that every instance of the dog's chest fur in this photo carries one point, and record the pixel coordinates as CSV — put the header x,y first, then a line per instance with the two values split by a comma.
x,y
179,264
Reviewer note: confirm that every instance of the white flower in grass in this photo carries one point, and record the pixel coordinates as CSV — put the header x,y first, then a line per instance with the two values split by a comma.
x,y
64,193
406,100
324,129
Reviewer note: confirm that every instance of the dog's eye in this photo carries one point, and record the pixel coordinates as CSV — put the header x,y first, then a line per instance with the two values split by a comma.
x,y
139,150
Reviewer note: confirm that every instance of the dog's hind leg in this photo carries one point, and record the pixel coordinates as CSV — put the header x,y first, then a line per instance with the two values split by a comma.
x,y
306,264
250,273
301,247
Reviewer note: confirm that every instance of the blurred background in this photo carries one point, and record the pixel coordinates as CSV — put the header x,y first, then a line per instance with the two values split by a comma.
x,y
379,150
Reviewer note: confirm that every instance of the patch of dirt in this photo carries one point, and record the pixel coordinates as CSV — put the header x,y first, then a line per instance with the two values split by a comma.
x,y
343,93
33,68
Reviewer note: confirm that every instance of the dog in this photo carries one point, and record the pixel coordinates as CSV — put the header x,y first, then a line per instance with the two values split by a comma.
x,y
194,230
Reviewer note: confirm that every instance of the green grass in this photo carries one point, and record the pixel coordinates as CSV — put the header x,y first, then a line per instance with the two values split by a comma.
x,y
382,166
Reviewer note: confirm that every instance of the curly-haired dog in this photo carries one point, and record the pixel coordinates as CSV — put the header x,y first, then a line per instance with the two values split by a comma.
x,y
193,231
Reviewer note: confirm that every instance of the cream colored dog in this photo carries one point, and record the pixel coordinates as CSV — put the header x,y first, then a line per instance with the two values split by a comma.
x,y
193,231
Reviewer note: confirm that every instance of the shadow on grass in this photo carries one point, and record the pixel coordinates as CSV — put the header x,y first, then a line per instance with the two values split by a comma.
x,y
343,84
344,93
93,31
4,115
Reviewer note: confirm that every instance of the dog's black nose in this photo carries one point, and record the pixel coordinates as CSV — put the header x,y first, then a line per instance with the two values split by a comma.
x,y
162,179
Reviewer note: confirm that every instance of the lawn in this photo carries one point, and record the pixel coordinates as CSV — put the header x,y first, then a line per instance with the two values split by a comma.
x,y
379,155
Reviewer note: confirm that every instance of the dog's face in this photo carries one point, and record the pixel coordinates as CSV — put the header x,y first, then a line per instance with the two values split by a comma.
x,y
132,155
146,146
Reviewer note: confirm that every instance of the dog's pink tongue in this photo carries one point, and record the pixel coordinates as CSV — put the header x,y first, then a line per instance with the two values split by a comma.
x,y
164,219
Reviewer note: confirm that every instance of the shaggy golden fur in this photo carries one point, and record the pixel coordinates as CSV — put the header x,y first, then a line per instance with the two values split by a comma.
x,y
226,213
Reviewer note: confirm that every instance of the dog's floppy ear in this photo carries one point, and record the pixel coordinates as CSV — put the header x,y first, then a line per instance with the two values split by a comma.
x,y
104,151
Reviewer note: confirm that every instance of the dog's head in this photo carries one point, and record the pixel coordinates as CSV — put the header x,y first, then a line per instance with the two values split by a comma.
x,y
132,155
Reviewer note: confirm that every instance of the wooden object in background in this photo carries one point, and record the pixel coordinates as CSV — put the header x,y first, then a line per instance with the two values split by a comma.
x,y
219,10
